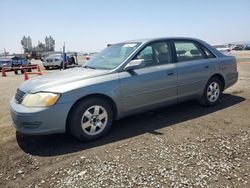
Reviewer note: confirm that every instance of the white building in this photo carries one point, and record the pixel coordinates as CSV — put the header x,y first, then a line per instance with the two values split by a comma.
x,y
26,43
49,43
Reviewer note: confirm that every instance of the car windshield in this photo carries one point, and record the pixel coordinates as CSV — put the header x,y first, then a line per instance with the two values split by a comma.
x,y
112,56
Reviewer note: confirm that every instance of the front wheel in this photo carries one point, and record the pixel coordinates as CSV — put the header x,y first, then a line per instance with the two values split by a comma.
x,y
212,92
90,119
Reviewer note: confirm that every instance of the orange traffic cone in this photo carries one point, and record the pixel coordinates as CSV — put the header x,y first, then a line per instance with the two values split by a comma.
x,y
3,72
26,77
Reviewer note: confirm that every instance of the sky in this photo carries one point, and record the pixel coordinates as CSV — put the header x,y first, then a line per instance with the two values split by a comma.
x,y
89,25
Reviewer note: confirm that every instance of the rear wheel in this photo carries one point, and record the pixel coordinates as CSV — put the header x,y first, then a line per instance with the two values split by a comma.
x,y
90,119
212,92
46,67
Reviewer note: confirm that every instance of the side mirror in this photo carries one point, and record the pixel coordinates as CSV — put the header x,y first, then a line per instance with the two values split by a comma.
x,y
135,64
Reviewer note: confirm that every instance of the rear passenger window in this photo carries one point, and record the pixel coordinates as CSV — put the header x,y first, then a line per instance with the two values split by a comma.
x,y
187,51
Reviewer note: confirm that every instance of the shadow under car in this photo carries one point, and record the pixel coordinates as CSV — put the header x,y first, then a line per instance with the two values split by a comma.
x,y
58,144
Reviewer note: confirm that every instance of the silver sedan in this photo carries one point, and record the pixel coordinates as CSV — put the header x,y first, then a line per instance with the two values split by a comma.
x,y
123,79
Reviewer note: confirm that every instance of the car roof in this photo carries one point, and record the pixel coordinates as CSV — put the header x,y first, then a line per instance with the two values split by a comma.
x,y
161,38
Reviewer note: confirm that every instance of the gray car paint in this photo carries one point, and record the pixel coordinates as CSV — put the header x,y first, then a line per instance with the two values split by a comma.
x,y
132,92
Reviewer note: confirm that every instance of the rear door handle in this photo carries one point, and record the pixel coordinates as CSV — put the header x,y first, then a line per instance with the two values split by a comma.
x,y
170,73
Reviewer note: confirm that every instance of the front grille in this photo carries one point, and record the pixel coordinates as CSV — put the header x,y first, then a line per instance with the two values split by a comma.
x,y
19,96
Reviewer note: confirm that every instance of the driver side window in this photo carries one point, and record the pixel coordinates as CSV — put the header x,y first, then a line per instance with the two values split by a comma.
x,y
146,54
156,54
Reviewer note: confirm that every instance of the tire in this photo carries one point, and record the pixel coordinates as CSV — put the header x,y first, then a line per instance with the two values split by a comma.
x,y
90,119
212,92
47,68
16,72
22,71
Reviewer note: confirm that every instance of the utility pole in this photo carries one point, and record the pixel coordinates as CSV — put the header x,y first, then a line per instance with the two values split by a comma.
x,y
64,55
4,52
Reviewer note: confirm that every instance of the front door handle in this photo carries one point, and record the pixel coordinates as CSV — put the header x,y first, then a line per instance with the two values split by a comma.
x,y
206,67
170,73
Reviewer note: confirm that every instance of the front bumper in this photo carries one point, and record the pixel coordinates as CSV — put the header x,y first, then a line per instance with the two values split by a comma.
x,y
39,120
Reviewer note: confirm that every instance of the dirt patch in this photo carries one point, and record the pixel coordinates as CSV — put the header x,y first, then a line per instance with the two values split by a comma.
x,y
184,145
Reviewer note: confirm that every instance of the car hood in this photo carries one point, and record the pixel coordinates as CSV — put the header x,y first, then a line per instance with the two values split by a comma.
x,y
49,80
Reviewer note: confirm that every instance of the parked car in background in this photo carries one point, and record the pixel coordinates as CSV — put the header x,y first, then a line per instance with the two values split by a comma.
x,y
71,59
12,61
223,49
247,47
238,47
53,61
56,61
123,79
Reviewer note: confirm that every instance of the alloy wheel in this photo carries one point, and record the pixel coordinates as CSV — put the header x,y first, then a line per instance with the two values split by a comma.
x,y
94,120
213,92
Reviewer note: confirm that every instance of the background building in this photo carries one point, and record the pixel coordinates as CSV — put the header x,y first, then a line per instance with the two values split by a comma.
x,y
48,46
49,43
27,44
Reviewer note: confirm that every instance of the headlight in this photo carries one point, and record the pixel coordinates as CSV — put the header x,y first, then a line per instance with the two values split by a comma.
x,y
40,99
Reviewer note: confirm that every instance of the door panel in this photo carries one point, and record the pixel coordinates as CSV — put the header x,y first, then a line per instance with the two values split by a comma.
x,y
148,86
192,78
193,69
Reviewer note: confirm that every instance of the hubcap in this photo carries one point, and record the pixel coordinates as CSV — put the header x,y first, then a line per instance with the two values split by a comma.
x,y
94,120
213,92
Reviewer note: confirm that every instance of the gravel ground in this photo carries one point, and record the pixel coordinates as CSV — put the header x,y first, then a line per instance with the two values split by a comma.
x,y
184,145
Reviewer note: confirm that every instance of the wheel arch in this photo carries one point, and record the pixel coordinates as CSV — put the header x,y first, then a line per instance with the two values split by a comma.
x,y
221,78
95,95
